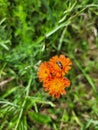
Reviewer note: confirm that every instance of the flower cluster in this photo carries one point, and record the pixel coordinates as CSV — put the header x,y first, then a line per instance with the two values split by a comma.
x,y
52,74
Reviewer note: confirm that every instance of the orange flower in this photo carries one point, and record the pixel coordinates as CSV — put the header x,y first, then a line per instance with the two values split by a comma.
x,y
60,65
56,86
52,74
44,72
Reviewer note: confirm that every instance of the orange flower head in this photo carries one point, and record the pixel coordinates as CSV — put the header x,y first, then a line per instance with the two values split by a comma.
x,y
52,74
56,86
44,72
60,65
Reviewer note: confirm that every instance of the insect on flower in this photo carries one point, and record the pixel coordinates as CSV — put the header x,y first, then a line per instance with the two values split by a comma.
x,y
59,64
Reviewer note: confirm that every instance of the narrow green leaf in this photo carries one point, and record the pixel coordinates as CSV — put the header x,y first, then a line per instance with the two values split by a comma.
x,y
9,92
86,76
39,118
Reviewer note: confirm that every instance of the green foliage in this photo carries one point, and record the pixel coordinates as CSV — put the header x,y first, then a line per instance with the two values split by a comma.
x,y
31,32
39,118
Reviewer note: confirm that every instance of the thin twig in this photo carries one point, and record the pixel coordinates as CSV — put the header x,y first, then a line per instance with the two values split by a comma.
x,y
6,81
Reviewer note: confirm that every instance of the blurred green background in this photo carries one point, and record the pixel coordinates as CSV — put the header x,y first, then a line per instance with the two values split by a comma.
x,y
32,32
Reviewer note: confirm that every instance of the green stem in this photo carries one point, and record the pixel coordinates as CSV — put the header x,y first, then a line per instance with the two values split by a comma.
x,y
23,105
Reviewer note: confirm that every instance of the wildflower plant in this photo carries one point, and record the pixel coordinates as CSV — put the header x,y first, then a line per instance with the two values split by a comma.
x,y
28,31
52,74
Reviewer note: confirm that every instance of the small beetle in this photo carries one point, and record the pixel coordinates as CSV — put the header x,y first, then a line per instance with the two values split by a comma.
x,y
59,64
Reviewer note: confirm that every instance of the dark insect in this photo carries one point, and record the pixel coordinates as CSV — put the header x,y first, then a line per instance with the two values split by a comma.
x,y
59,64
